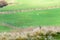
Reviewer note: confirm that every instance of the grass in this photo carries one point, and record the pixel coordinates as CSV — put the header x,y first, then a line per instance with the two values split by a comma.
x,y
48,17
33,18
4,28
25,4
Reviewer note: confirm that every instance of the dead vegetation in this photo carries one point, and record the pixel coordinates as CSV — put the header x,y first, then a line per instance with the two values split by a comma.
x,y
38,33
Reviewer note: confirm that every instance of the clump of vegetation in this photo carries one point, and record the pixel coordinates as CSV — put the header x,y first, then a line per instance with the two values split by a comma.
x,y
36,34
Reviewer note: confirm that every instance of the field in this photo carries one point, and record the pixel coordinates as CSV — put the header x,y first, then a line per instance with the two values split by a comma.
x,y
32,18
46,17
47,13
25,4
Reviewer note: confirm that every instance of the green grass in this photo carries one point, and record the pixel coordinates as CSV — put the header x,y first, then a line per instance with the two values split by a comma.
x,y
4,28
33,18
25,4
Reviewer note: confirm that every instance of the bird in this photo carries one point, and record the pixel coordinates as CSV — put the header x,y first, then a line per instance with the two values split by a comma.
x,y
3,3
